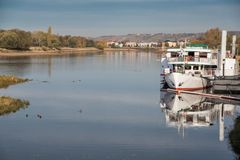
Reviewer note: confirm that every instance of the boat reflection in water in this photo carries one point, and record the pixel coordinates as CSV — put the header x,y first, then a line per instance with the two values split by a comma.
x,y
186,110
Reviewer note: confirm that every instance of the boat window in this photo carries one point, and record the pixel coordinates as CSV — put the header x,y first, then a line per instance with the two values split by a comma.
x,y
201,67
210,67
203,55
191,54
197,72
174,54
187,67
189,118
180,69
195,67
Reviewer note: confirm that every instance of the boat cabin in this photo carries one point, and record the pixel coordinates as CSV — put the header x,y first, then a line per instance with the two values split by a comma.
x,y
197,61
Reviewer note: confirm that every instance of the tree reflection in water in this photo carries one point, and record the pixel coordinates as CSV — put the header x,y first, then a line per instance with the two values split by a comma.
x,y
10,105
234,137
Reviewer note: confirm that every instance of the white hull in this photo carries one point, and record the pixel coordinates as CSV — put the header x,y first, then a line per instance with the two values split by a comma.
x,y
181,81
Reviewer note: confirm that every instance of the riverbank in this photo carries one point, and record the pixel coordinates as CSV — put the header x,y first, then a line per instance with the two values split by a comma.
x,y
39,51
44,51
158,50
120,49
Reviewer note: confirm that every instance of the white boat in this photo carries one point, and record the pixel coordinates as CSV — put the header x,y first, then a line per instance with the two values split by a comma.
x,y
193,67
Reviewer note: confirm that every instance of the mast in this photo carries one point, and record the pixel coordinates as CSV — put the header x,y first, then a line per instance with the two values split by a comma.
x,y
222,54
234,45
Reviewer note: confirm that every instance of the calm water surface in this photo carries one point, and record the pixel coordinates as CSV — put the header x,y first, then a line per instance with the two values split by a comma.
x,y
106,106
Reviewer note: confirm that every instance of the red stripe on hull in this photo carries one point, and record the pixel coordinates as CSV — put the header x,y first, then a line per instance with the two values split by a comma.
x,y
192,89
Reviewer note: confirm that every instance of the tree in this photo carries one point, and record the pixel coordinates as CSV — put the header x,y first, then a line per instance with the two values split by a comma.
x,y
64,40
197,41
213,38
238,45
101,44
49,37
25,39
55,42
9,40
90,43
15,39
73,42
39,38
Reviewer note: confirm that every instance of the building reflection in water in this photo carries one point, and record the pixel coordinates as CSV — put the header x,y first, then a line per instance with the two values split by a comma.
x,y
129,57
185,111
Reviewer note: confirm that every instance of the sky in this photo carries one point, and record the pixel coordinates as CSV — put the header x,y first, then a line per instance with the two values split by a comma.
x,y
92,18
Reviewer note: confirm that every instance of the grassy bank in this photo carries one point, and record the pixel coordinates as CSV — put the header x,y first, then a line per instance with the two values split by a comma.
x,y
10,105
6,81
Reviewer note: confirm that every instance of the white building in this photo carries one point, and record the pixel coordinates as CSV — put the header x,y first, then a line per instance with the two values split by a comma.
x,y
115,44
143,44
131,44
171,44
153,44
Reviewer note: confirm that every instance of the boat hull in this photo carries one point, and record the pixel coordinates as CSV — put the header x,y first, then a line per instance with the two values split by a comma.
x,y
181,81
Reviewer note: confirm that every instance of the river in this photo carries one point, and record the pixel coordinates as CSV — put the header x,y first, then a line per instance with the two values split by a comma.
x,y
101,106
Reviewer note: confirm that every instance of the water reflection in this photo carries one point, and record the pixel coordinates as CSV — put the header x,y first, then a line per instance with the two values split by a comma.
x,y
15,66
185,111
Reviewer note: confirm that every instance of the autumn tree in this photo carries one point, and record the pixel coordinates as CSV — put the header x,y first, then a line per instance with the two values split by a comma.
x,y
39,38
238,45
197,41
74,42
64,40
49,37
101,44
9,40
213,38
90,43
15,39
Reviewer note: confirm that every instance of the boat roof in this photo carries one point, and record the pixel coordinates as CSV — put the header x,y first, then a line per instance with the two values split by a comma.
x,y
189,49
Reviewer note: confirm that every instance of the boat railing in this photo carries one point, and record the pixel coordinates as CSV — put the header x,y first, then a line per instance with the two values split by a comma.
x,y
207,72
193,59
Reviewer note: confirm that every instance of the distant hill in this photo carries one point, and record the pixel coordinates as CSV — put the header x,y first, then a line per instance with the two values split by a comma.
x,y
155,37
150,37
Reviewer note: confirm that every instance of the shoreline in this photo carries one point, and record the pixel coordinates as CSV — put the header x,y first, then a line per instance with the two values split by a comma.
x,y
50,52
120,49
35,51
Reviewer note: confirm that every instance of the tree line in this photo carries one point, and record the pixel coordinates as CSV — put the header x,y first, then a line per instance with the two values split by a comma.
x,y
23,40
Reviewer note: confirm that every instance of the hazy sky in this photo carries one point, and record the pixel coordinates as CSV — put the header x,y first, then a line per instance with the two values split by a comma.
x,y
107,17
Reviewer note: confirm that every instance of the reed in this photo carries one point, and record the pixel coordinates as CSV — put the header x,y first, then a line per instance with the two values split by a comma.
x,y
11,105
6,80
